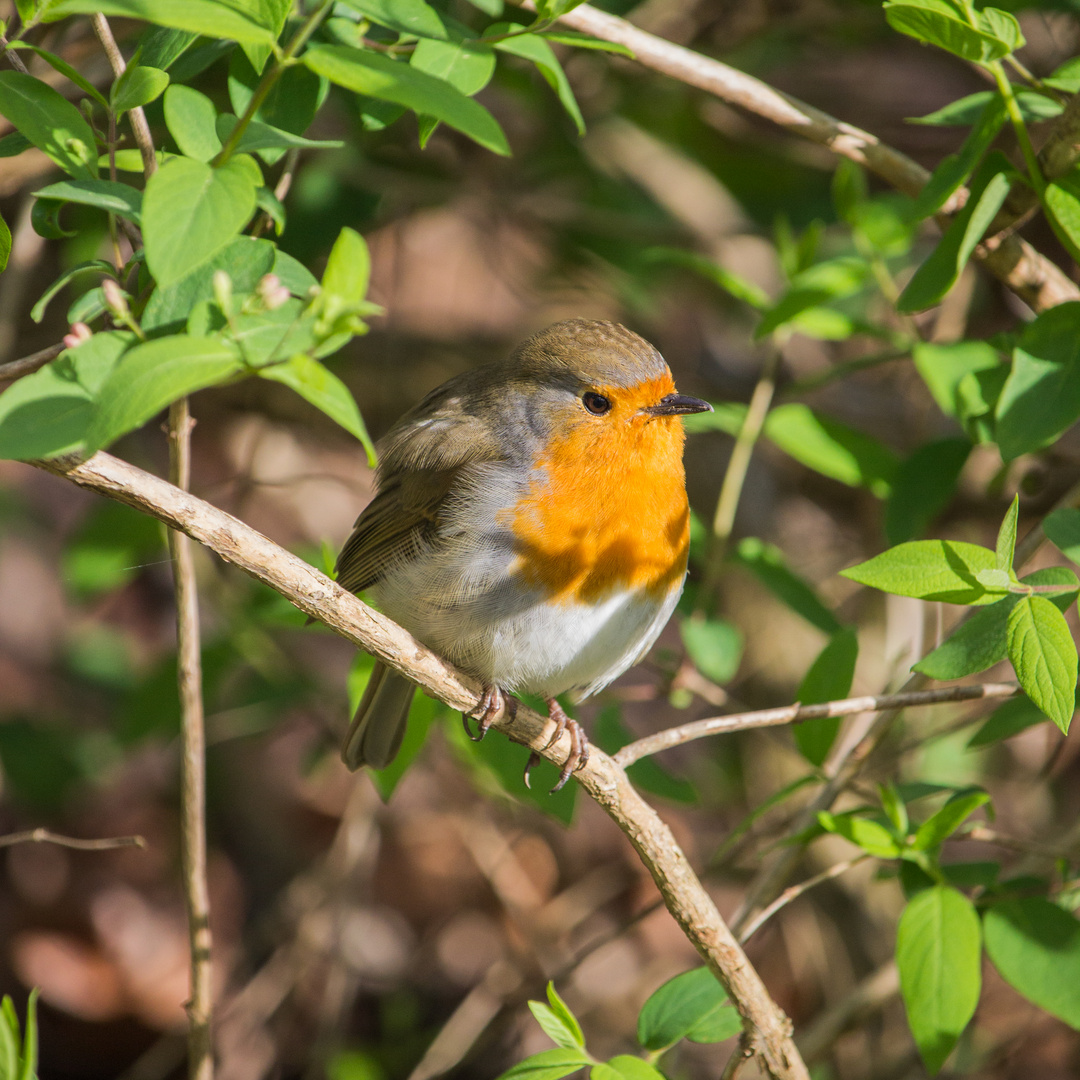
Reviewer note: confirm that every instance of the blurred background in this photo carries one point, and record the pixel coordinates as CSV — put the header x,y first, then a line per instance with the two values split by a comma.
x,y
365,939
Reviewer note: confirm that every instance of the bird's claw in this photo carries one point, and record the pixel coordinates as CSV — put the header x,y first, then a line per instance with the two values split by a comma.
x,y
492,702
579,746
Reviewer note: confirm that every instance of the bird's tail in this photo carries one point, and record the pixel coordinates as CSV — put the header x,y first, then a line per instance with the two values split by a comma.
x,y
379,724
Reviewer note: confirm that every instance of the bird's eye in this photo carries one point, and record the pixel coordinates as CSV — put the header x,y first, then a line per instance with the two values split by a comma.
x,y
597,404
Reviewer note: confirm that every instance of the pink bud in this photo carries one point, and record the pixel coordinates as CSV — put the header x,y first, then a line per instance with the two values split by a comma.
x,y
272,293
114,296
79,332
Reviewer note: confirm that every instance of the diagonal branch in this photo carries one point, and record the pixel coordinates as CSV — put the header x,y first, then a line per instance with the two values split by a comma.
x,y
1032,276
313,593
768,1029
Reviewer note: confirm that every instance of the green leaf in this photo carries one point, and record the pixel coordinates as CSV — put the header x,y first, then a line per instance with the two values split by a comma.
x,y
405,16
548,1065
257,136
161,46
9,1046
943,26
766,561
50,122
937,952
43,414
1016,715
291,104
1034,107
562,1012
937,275
109,195
929,570
5,244
922,487
65,69
1035,945
628,1067
1006,538
137,86
1043,653
831,448
981,641
1041,397
323,389
244,259
554,1027
834,279
191,211
30,1039
465,65
1062,528
190,118
539,52
294,275
348,268
937,829
715,646
894,806
14,144
871,836
199,16
679,1007
1003,26
943,368
37,312
586,41
1061,198
956,168
271,13
380,77
152,376
828,679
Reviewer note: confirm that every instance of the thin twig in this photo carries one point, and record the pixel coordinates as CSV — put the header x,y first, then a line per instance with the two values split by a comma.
x,y
16,369
987,835
787,714
768,1029
139,127
46,836
1032,276
193,788
795,891
735,475
12,55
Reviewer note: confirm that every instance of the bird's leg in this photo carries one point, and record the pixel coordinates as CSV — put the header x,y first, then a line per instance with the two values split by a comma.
x,y
579,745
492,702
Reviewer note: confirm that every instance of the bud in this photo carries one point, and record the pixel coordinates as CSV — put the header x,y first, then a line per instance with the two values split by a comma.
x,y
223,291
115,300
78,333
272,293
80,150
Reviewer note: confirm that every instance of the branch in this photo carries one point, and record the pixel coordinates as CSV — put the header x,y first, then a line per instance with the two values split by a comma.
x,y
139,127
193,771
46,836
16,369
1033,277
787,714
316,595
795,891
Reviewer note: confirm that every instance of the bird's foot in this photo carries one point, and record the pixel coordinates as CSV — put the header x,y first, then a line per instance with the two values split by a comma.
x,y
579,745
492,702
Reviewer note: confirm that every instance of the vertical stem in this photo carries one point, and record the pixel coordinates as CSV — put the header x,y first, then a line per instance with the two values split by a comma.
x,y
139,127
193,786
1017,120
735,475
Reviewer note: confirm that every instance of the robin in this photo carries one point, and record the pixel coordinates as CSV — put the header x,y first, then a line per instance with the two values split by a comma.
x,y
531,525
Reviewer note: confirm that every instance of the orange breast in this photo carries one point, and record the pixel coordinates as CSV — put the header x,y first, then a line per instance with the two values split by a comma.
x,y
608,509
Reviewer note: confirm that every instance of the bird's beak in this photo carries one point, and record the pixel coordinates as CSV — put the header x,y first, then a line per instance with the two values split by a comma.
x,y
678,405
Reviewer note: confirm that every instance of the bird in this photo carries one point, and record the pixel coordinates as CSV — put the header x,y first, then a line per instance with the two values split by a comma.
x,y
531,525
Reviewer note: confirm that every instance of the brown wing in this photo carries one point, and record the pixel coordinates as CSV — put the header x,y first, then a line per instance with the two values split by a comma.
x,y
423,456
395,525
